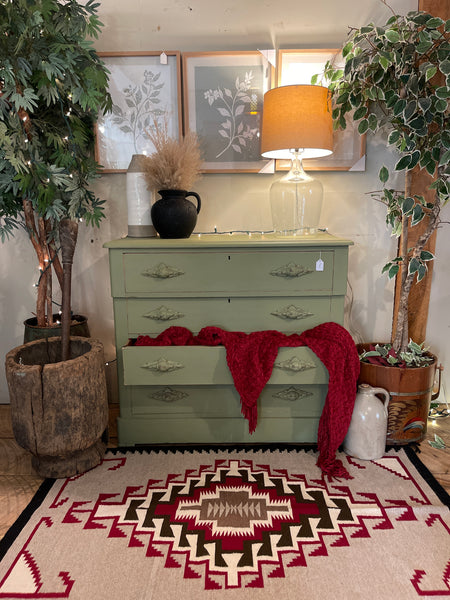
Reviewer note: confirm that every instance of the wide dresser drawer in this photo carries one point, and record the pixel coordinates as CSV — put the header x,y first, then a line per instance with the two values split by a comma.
x,y
222,273
208,401
212,414
207,365
286,314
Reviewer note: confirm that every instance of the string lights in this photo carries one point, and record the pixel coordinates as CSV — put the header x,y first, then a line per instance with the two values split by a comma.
x,y
42,270
251,232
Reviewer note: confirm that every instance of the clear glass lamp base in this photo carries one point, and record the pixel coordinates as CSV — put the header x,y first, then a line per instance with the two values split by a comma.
x,y
296,202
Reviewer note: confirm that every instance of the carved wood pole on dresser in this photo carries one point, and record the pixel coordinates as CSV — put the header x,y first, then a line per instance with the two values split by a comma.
x,y
68,232
419,298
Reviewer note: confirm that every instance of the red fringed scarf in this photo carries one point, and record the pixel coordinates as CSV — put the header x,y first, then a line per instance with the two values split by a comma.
x,y
250,358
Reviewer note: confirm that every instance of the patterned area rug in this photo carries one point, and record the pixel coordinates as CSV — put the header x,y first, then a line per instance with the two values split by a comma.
x,y
219,523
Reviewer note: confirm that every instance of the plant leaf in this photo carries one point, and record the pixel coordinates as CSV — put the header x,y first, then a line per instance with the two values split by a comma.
x,y
383,174
403,163
392,36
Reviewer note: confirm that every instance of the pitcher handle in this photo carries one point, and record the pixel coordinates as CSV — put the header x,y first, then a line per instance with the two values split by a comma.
x,y
439,368
386,395
197,197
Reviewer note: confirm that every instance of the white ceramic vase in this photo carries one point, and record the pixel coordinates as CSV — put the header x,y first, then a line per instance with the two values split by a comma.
x,y
366,436
139,200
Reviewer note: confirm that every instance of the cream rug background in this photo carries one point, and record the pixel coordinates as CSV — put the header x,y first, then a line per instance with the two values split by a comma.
x,y
216,524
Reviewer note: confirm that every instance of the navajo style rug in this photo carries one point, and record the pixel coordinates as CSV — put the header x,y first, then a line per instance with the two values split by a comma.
x,y
241,523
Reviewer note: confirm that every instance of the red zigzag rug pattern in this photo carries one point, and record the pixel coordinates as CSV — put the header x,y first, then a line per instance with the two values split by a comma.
x,y
222,523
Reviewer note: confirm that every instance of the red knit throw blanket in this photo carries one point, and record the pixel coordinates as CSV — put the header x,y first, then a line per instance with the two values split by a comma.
x,y
250,358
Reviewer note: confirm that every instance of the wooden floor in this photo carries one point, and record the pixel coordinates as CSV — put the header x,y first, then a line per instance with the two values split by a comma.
x,y
18,483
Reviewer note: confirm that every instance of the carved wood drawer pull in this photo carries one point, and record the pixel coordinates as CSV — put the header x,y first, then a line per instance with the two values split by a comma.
x,y
163,365
163,313
292,394
162,271
168,394
295,364
291,270
292,313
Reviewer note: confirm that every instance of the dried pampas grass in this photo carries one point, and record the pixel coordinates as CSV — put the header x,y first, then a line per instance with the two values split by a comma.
x,y
175,164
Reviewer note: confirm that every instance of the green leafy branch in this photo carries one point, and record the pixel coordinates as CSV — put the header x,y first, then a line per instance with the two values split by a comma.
x,y
397,77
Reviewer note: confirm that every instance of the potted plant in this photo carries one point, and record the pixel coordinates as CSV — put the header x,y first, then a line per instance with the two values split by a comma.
x,y
172,170
52,85
397,77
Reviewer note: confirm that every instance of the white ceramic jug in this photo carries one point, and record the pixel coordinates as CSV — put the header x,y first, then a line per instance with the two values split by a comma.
x,y
366,436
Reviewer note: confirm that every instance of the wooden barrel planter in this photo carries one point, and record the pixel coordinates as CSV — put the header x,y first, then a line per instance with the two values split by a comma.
x,y
410,390
78,327
59,410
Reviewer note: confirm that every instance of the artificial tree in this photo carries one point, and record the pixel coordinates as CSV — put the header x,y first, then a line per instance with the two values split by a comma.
x,y
397,78
52,85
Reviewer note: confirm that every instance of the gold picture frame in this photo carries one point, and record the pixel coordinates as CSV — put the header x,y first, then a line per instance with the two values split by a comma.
x,y
223,98
143,86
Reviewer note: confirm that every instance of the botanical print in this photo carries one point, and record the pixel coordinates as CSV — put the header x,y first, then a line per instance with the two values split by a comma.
x,y
142,109
232,105
143,91
228,105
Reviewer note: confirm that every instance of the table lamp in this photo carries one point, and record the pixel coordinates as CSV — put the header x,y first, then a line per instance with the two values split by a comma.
x,y
296,124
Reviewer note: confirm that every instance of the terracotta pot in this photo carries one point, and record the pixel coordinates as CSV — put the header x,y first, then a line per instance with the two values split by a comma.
x,y
59,409
410,390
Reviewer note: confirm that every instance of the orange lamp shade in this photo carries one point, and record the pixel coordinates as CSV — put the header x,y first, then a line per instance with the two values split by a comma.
x,y
297,117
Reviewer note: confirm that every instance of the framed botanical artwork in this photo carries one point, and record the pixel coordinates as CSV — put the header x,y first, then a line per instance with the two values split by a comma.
x,y
144,86
297,67
223,98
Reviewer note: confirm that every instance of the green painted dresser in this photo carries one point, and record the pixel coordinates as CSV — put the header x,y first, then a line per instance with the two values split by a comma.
x,y
239,283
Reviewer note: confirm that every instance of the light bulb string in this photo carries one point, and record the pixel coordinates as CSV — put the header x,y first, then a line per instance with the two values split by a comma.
x,y
48,266
249,232
26,122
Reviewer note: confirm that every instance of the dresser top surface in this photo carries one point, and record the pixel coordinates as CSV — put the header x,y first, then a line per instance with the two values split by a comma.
x,y
227,240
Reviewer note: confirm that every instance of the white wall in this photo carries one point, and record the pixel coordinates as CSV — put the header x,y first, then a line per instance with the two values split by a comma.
x,y
235,201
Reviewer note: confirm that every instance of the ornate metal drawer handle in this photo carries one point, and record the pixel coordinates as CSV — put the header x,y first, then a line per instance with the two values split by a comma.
x,y
162,271
168,394
163,365
295,364
163,313
292,394
291,270
292,312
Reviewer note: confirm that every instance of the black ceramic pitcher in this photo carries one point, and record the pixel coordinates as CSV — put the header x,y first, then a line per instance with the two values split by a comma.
x,y
173,216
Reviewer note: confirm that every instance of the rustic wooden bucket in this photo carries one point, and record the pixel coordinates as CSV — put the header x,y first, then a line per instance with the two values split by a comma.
x,y
59,410
410,390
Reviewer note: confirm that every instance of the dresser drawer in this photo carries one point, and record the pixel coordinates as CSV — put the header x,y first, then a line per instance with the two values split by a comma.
x,y
228,273
212,415
276,401
286,314
207,365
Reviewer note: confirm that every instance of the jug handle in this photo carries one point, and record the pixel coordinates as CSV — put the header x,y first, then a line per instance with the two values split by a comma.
x,y
197,197
384,393
440,368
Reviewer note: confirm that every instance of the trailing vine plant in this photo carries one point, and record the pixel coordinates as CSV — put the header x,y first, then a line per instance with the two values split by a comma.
x,y
397,77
